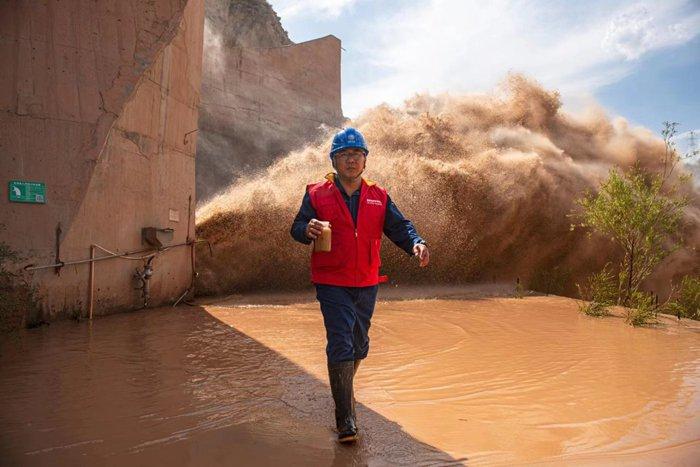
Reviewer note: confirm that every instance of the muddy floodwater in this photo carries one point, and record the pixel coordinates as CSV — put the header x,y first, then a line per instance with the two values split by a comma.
x,y
457,379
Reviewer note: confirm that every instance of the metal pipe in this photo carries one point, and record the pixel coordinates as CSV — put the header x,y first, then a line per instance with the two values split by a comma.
x,y
181,297
194,274
92,260
145,277
58,249
189,214
31,267
92,280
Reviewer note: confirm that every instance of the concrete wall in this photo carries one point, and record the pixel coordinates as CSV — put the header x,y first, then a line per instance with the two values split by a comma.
x,y
96,100
260,103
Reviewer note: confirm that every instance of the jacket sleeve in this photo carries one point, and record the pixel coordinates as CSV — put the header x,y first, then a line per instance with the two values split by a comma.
x,y
399,229
305,214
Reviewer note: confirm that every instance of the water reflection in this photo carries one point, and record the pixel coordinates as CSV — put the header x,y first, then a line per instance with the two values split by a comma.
x,y
485,380
166,386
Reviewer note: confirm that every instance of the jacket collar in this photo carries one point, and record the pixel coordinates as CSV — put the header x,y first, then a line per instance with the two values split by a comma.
x,y
331,177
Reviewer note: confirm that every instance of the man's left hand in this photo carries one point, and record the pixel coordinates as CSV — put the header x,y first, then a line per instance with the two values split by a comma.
x,y
422,253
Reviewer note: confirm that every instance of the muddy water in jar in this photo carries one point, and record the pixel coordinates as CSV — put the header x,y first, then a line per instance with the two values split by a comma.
x,y
487,381
323,242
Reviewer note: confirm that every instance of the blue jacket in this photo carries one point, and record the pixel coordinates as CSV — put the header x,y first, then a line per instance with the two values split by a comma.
x,y
396,227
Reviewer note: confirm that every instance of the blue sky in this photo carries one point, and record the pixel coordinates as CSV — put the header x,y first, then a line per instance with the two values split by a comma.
x,y
639,59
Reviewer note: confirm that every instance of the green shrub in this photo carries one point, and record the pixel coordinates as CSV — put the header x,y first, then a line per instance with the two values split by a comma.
x,y
599,292
642,309
687,305
551,281
593,309
519,289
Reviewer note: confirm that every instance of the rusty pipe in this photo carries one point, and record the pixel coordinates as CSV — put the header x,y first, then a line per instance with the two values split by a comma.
x,y
92,281
31,267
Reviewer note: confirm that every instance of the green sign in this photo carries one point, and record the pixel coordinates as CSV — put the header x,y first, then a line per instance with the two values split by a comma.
x,y
27,192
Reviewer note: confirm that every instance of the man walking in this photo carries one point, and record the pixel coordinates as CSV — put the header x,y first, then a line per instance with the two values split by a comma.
x,y
347,277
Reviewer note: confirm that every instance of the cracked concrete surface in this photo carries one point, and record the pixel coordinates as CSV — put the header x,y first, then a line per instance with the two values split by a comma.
x,y
87,90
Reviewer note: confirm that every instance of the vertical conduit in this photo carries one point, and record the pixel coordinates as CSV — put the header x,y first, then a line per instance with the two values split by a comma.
x,y
92,280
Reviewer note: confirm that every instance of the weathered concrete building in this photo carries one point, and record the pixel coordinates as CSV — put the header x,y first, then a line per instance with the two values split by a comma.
x,y
99,123
262,95
99,103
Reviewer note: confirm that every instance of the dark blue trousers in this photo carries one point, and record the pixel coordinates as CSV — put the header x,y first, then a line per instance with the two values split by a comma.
x,y
347,312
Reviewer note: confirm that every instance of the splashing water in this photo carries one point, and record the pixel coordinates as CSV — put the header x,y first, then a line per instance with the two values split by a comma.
x,y
488,180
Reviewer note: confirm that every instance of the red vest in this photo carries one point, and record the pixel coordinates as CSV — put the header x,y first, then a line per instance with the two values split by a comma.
x,y
354,257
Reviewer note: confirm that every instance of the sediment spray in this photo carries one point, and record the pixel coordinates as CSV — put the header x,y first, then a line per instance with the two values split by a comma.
x,y
488,180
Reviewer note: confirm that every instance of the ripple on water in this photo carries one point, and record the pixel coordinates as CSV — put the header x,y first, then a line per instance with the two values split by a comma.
x,y
487,380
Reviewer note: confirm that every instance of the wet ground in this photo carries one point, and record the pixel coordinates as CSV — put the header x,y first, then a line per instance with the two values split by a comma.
x,y
466,378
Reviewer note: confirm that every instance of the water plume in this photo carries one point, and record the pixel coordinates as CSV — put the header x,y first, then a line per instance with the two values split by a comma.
x,y
489,181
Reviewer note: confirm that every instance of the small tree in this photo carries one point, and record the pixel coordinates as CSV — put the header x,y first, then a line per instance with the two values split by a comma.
x,y
630,210
671,156
636,212
687,303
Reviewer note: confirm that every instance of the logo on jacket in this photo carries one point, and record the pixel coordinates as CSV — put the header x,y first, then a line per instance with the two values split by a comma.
x,y
376,202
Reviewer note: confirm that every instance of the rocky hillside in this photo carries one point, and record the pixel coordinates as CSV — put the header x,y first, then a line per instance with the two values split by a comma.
x,y
262,95
246,23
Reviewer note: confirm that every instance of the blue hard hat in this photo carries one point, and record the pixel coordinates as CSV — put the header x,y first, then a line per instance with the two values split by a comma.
x,y
348,138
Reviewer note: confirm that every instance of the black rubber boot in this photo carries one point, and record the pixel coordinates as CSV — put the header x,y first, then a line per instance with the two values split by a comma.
x,y
354,372
340,376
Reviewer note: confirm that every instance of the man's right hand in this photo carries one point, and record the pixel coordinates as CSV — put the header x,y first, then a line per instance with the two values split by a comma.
x,y
314,228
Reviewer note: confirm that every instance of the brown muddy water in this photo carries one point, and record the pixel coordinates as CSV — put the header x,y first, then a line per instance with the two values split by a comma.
x,y
458,379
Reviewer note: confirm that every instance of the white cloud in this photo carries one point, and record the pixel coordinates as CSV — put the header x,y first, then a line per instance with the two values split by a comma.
x,y
646,27
469,45
287,9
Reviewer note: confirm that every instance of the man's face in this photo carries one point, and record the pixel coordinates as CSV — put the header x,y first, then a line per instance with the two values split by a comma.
x,y
350,162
